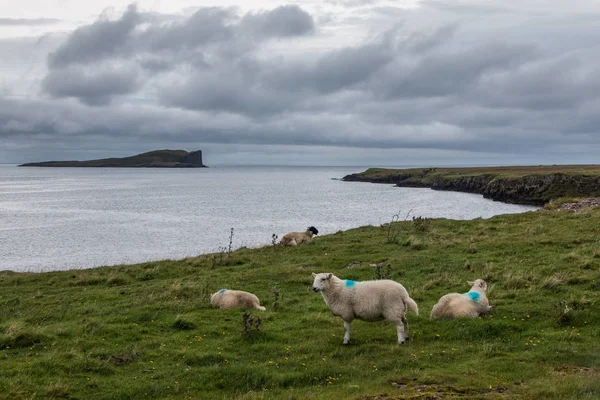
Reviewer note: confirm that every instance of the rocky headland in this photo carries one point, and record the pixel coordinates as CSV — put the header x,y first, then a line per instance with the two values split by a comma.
x,y
535,185
152,159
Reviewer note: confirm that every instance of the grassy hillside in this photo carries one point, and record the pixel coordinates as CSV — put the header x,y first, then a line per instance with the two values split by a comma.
x,y
147,331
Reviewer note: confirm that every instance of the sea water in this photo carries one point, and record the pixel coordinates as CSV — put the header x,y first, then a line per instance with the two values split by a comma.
x,y
72,218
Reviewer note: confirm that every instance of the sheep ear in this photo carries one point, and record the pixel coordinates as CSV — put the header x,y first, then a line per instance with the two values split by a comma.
x,y
329,276
314,275
470,283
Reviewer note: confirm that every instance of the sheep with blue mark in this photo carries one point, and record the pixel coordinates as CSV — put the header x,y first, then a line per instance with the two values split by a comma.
x,y
368,301
225,298
467,305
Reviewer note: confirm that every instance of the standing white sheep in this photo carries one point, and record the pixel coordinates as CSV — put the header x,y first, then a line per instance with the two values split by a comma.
x,y
468,305
296,238
225,298
368,301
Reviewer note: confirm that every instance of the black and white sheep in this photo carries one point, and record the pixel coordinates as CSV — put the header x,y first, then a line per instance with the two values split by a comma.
x,y
368,301
296,238
468,305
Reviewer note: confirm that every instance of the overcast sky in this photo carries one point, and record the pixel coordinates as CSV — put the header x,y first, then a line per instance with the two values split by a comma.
x,y
312,82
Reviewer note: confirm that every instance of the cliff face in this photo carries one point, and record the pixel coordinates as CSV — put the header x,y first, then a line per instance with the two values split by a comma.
x,y
152,159
194,158
536,189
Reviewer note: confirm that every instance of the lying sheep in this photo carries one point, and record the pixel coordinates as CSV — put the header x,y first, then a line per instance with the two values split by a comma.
x,y
296,238
468,305
369,301
225,298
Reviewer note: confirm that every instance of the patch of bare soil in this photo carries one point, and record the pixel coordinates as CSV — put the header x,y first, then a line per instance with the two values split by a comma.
x,y
585,203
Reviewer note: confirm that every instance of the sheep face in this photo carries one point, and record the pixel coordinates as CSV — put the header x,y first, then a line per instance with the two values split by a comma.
x,y
313,230
479,283
321,281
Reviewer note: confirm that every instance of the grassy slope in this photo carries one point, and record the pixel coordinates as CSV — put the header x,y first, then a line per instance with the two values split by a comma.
x,y
147,331
500,172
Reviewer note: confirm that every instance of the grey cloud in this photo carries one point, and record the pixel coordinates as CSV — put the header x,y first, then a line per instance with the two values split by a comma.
x,y
419,42
207,25
500,84
449,73
92,88
551,83
288,20
336,70
28,21
224,93
96,41
351,3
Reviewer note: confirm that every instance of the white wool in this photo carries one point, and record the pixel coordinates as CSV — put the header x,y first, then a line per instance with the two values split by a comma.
x,y
225,298
368,301
468,305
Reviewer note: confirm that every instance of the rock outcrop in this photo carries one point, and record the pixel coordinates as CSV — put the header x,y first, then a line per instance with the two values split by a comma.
x,y
532,189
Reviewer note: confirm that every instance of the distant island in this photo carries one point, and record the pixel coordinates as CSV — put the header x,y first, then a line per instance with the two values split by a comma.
x,y
152,159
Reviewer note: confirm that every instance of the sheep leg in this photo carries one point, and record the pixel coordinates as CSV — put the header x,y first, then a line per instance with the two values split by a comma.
x,y
347,332
402,329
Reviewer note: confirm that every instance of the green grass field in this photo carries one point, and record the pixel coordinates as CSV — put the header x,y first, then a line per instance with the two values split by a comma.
x,y
147,331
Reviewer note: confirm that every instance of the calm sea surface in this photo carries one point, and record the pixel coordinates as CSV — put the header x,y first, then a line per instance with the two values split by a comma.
x,y
69,218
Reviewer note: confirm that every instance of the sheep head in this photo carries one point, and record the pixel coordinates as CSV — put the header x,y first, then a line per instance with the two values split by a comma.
x,y
479,283
321,281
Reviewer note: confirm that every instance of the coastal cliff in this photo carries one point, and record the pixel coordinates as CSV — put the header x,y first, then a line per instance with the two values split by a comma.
x,y
520,185
152,159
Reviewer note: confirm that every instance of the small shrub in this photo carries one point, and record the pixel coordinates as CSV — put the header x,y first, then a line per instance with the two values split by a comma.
x,y
183,324
18,335
414,243
381,274
117,281
420,224
563,314
251,323
276,295
58,391
553,281
120,358
393,228
471,249
217,259
230,247
146,276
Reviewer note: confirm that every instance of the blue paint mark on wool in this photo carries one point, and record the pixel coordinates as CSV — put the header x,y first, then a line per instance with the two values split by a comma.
x,y
222,291
349,283
474,296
